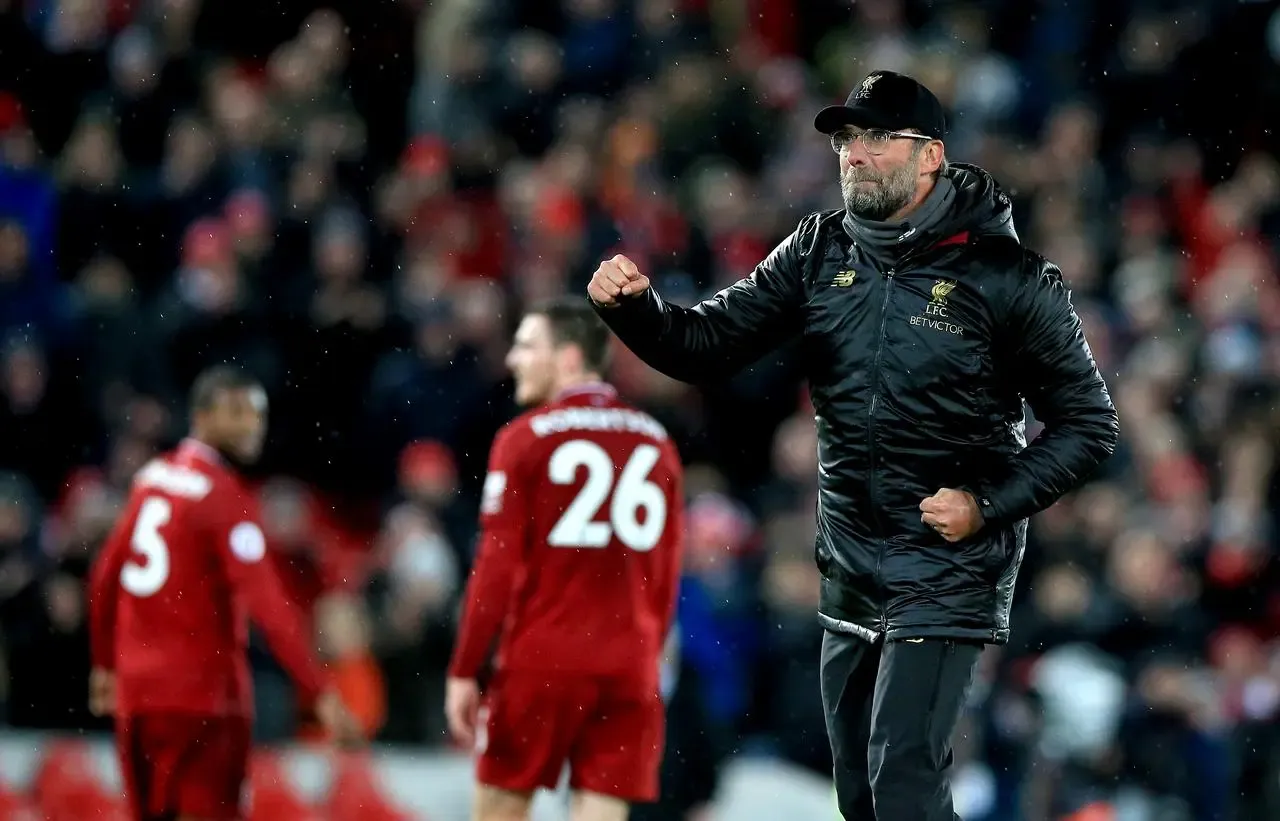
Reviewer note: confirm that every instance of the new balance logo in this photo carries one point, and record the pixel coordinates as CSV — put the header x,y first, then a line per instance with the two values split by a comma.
x,y
844,279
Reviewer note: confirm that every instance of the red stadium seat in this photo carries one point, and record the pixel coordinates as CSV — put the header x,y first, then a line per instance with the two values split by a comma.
x,y
16,807
86,804
63,763
272,796
355,792
68,786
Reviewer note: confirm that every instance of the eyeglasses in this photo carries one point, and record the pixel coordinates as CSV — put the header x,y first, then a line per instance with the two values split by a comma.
x,y
874,140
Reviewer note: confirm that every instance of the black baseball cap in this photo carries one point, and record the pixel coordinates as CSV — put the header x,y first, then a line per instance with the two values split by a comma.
x,y
888,100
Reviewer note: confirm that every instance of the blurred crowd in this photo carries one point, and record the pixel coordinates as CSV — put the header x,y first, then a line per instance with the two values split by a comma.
x,y
354,199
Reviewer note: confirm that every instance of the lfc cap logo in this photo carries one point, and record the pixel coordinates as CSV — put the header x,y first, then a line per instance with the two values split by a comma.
x,y
864,90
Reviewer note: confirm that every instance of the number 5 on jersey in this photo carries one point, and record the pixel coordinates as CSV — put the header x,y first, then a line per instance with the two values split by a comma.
x,y
146,578
631,494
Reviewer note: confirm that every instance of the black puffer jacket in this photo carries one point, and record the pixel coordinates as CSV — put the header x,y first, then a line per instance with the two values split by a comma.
x,y
919,345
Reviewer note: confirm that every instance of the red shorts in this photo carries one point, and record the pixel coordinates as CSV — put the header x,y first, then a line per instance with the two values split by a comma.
x,y
609,731
183,764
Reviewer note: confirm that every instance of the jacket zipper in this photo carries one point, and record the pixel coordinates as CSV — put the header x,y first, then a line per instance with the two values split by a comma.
x,y
871,432
871,445
871,423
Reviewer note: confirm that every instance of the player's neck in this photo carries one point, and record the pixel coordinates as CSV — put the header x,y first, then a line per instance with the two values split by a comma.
x,y
212,453
585,383
198,444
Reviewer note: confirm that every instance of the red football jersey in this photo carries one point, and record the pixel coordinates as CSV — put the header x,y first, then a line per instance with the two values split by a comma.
x,y
582,530
174,587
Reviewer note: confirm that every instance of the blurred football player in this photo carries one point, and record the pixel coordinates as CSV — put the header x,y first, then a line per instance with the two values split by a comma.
x,y
170,600
576,578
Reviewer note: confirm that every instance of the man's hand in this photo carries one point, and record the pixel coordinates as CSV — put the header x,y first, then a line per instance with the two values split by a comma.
x,y
954,514
337,720
614,279
102,692
462,709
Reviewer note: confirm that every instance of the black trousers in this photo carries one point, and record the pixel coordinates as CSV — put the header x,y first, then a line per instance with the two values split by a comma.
x,y
891,709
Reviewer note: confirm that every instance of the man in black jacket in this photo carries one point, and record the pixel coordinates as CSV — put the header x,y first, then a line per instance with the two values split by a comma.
x,y
924,325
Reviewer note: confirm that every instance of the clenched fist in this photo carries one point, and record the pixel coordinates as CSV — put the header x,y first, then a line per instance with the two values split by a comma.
x,y
614,279
954,514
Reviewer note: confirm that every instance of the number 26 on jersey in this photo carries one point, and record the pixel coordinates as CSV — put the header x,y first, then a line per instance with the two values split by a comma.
x,y
630,496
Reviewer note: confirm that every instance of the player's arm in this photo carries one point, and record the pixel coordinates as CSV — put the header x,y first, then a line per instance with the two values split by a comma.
x,y
242,547
104,591
721,335
504,534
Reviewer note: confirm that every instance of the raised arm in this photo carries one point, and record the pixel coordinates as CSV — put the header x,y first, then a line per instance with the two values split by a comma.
x,y
1055,371
720,335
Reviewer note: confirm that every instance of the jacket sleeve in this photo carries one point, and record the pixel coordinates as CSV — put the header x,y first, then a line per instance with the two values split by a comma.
x,y
1055,372
727,332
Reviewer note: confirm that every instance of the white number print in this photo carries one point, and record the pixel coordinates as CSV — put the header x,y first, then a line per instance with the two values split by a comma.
x,y
146,579
632,493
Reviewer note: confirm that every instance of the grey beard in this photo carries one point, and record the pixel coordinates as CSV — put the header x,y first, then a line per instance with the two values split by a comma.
x,y
880,202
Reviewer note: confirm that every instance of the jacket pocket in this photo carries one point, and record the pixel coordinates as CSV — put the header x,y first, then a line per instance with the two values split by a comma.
x,y
996,553
984,556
